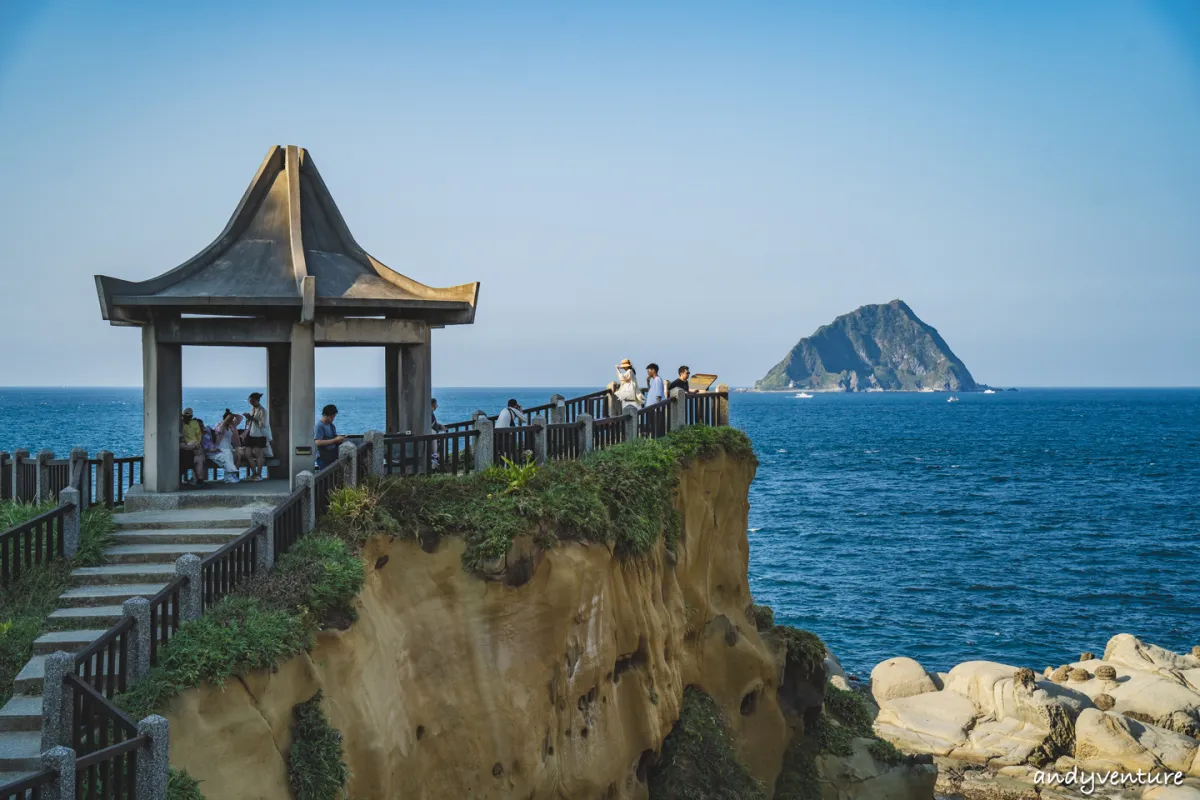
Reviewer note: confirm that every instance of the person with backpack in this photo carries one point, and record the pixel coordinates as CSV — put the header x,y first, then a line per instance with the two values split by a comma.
x,y
511,415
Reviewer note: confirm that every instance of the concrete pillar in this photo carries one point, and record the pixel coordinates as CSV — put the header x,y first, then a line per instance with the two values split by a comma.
x,y
308,506
558,409
613,404
191,594
302,398
72,522
586,442
150,781
139,638
629,420
677,410
5,461
162,401
537,429
56,700
42,492
61,760
416,387
105,494
393,359
378,455
79,463
278,405
348,455
265,546
483,443
18,485
723,404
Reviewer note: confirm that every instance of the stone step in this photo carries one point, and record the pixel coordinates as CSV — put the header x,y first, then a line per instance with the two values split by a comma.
x,y
29,679
122,573
107,595
67,641
178,535
74,618
21,751
212,496
23,712
155,553
187,518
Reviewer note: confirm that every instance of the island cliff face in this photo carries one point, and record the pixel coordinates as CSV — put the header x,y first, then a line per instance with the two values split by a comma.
x,y
873,347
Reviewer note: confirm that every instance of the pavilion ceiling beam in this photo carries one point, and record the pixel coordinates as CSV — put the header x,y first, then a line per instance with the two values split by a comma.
x,y
214,332
351,331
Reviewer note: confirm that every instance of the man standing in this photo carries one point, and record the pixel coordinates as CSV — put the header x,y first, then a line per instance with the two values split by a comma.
x,y
682,381
325,437
192,447
656,387
511,416
256,437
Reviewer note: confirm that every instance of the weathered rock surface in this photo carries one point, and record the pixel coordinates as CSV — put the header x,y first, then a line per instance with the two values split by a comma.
x,y
897,678
862,777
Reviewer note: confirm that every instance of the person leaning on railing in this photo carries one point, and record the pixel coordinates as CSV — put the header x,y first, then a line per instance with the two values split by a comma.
x,y
682,381
325,437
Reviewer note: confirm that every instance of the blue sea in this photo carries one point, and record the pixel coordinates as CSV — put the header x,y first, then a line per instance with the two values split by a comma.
x,y
1023,527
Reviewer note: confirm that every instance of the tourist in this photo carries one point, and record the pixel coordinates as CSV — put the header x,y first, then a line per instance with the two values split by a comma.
x,y
256,438
227,442
325,437
656,387
436,450
437,426
191,447
682,381
511,416
627,391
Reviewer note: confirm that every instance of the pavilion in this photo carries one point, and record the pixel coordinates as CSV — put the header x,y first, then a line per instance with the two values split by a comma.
x,y
285,275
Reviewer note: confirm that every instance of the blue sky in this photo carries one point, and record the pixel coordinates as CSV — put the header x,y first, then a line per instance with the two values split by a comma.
x,y
679,182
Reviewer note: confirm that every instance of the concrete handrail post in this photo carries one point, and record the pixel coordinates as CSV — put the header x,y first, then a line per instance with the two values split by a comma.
x,y
677,412
72,520
191,594
378,454
723,404
150,780
265,540
630,422
304,480
78,460
139,638
18,485
612,404
61,760
348,455
104,478
586,441
56,700
484,445
42,492
558,409
538,445
5,459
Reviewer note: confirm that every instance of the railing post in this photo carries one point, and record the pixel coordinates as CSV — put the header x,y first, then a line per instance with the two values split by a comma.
x,y
5,459
538,432
483,442
677,411
19,489
613,405
150,781
56,701
722,415
43,475
140,634
377,452
586,440
558,411
265,541
191,594
105,494
61,760
630,422
71,521
348,455
308,505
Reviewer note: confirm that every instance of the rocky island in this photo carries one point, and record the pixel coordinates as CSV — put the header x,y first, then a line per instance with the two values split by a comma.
x,y
875,347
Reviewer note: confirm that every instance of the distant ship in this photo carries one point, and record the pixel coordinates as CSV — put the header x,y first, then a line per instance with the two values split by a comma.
x,y
989,391
803,396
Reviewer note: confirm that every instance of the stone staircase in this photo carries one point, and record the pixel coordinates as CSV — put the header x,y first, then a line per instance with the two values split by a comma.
x,y
140,562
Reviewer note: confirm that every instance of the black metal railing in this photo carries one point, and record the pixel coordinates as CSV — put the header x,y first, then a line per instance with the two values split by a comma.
x,y
607,432
362,458
287,523
164,615
26,480
459,427
515,444
702,408
595,404
111,772
126,472
57,477
32,543
652,421
6,479
105,741
229,567
562,441
450,453
32,787
325,483
101,665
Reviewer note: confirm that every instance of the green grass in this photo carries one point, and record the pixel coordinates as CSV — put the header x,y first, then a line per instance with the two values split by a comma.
x,y
182,786
316,768
805,650
25,604
698,761
621,497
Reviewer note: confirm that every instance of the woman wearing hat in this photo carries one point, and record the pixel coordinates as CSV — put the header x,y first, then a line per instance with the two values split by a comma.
x,y
627,390
257,433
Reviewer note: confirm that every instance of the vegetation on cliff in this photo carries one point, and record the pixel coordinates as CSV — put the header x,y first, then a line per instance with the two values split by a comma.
x,y
874,347
182,786
698,760
316,768
620,497
26,603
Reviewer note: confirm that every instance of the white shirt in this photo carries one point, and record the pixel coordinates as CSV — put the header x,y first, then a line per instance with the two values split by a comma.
x,y
258,421
509,418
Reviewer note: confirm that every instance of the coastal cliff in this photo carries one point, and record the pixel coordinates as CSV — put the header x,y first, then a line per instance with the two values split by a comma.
x,y
874,347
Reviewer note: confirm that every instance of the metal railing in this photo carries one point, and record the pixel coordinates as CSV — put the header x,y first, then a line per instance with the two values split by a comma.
x,y
563,441
164,615
325,483
32,543
102,664
607,432
6,479
514,444
595,404
449,452
105,742
33,787
653,422
287,522
225,569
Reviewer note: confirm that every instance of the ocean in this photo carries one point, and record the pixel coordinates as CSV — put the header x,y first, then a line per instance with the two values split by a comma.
x,y
1023,527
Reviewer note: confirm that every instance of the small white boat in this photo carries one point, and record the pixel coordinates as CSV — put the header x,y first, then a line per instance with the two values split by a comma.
x,y
989,391
952,400
802,396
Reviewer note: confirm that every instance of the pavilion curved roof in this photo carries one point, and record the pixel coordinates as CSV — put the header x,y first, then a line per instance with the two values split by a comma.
x,y
286,251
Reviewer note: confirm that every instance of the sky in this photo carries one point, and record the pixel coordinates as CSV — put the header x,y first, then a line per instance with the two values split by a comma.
x,y
699,183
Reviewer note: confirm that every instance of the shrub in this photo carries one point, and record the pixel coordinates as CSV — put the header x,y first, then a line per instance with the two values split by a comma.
x,y
849,708
182,786
805,651
763,617
885,752
355,514
316,768
96,535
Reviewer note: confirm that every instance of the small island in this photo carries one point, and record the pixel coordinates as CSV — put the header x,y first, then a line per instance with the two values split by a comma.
x,y
883,347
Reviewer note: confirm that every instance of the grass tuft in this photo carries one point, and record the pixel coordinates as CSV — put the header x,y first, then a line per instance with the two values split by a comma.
x,y
316,768
182,786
